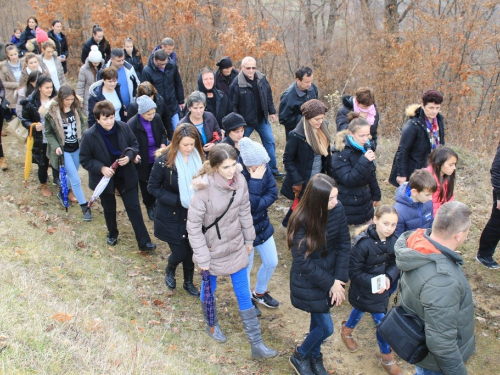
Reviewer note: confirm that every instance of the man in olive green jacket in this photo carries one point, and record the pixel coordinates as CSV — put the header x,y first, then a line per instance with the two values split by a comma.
x,y
434,286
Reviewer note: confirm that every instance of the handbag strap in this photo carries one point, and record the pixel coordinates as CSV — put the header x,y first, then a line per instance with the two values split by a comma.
x,y
204,229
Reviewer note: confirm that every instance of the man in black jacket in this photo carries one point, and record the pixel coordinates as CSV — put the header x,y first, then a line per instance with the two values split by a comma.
x,y
163,73
294,96
252,98
491,232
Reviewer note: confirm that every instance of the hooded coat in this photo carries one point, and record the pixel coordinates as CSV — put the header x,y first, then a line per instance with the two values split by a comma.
x,y
356,178
27,35
434,287
298,160
223,105
10,83
342,123
59,67
312,277
414,145
222,82
96,96
61,46
168,83
86,78
212,194
371,257
411,215
132,78
30,115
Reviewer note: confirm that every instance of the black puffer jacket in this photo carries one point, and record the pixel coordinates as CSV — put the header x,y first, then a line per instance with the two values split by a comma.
x,y
210,126
30,115
242,96
223,105
414,145
342,123
142,138
311,278
161,109
94,155
222,82
136,61
61,46
168,83
357,180
103,47
27,35
371,257
170,215
298,160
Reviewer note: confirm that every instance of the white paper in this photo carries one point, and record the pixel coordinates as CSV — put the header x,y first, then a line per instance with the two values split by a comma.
x,y
377,283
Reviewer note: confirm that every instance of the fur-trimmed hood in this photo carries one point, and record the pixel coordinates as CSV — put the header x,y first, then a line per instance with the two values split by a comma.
x,y
340,140
411,110
202,182
52,109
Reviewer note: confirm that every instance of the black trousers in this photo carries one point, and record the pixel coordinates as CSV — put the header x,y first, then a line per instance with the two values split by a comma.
x,y
130,200
288,129
43,175
148,199
491,233
181,253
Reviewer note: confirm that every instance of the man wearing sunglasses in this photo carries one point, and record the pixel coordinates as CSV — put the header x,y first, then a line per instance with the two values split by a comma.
x,y
252,98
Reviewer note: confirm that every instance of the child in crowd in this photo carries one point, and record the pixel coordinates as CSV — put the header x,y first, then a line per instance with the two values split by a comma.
x,y
372,254
442,164
414,202
15,37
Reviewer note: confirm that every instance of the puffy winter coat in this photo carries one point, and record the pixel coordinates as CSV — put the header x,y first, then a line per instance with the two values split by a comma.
x,y
311,278
27,35
103,45
132,79
85,79
263,193
434,286
342,123
61,46
59,67
136,61
94,155
30,115
414,145
222,82
159,135
226,255
242,96
25,74
161,109
210,125
170,215
298,160
357,180
411,215
54,129
290,103
10,83
371,257
168,83
96,96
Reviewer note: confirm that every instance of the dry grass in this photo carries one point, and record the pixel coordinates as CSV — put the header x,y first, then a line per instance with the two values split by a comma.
x,y
117,317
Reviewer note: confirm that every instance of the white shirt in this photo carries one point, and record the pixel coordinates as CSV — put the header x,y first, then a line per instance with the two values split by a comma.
x,y
51,66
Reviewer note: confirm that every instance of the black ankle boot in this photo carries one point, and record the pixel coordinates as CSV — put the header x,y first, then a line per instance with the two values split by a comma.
x,y
301,365
188,282
317,365
170,276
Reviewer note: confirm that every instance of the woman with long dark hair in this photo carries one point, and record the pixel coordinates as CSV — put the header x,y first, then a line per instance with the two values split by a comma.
x,y
98,40
320,266
443,164
170,183
221,205
88,75
28,34
27,88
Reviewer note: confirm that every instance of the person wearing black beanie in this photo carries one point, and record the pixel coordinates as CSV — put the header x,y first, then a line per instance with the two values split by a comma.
x,y
225,74
234,124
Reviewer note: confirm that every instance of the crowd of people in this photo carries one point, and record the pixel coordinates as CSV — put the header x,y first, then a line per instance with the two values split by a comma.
x,y
208,187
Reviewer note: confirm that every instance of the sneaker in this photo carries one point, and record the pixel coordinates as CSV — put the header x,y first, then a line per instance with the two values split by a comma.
x,y
56,182
265,300
278,175
488,262
59,196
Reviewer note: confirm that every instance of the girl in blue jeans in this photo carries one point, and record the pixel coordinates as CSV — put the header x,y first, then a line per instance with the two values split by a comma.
x,y
372,254
263,193
320,266
64,127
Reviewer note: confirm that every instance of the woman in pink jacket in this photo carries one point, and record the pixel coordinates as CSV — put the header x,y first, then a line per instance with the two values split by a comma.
x,y
443,164
221,233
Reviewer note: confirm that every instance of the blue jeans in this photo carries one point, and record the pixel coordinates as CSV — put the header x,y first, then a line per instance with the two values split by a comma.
x,y
320,329
354,319
72,163
175,120
240,287
424,371
269,257
266,136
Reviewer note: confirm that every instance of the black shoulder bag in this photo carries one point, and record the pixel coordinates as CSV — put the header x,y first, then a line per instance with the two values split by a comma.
x,y
216,222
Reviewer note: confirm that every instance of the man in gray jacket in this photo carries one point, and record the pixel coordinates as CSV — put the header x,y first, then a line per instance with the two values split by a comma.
x,y
434,287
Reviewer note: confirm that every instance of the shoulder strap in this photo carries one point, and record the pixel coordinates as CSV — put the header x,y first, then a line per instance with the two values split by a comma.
x,y
204,229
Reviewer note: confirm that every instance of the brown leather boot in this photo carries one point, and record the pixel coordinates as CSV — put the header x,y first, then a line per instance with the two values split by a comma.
x,y
389,364
346,334
45,190
71,197
3,164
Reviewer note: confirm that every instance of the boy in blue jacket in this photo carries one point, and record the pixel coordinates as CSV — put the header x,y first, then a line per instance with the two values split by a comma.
x,y
414,202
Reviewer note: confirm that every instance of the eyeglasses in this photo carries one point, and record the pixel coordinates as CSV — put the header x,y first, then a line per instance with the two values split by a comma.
x,y
250,67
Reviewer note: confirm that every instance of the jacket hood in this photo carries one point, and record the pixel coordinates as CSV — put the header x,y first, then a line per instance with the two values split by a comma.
x,y
416,249
96,87
202,182
411,110
402,197
347,101
362,232
52,107
340,140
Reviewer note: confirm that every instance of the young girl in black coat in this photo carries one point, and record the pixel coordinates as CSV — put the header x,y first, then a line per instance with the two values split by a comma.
x,y
372,254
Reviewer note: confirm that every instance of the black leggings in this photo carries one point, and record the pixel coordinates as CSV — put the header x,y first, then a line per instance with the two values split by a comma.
x,y
181,253
43,175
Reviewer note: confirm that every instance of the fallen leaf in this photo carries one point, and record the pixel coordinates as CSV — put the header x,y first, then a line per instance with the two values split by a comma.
x,y
144,302
80,245
133,321
133,274
158,303
141,329
154,322
62,317
51,230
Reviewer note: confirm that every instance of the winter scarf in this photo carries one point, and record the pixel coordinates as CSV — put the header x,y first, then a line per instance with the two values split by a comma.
x,y
357,145
104,134
185,174
371,111
318,139
433,130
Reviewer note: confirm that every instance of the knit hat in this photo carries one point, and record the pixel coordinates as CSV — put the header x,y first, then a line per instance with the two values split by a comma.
x,y
252,153
313,108
41,35
144,104
95,55
233,121
225,63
